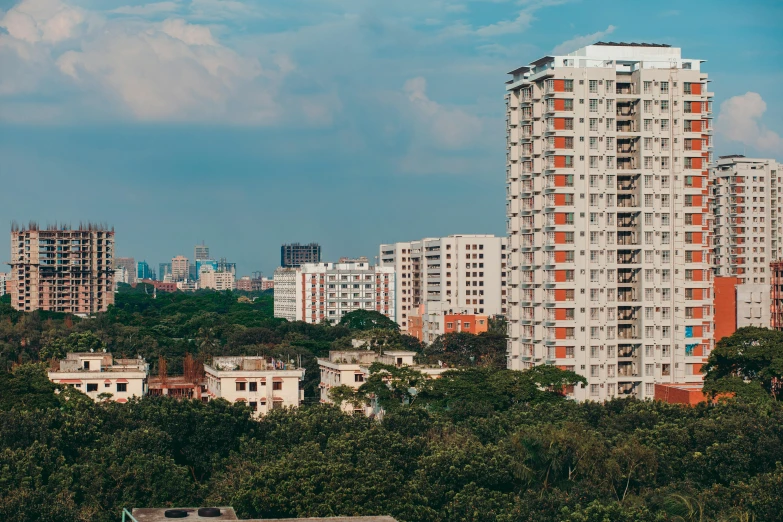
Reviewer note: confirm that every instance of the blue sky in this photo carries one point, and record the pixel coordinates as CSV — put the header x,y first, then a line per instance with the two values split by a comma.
x,y
348,122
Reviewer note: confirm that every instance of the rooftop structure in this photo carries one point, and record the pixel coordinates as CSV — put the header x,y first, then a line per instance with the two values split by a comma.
x,y
293,255
227,513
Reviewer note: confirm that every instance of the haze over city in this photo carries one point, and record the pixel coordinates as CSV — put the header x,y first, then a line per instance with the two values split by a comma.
x,y
349,123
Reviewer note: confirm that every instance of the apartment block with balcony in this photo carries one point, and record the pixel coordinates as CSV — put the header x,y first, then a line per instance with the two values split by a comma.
x,y
450,275
607,217
747,228
62,270
318,292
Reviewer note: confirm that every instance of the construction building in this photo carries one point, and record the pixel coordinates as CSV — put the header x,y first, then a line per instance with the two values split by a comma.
x,y
747,232
101,377
60,269
263,383
294,255
318,292
449,275
607,217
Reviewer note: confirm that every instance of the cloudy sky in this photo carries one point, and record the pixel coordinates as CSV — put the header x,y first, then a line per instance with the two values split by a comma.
x,y
349,122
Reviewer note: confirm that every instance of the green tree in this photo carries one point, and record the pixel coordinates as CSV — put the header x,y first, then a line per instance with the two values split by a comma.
x,y
368,320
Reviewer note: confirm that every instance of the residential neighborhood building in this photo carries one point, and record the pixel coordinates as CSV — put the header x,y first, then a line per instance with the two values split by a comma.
x,y
101,377
455,274
317,292
59,269
215,280
294,254
430,322
610,233
352,368
262,383
3,280
747,230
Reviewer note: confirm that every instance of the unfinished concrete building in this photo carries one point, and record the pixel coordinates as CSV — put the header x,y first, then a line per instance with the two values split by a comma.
x,y
62,269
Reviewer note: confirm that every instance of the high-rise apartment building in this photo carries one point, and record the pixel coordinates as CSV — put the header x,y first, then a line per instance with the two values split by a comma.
x,y
62,270
608,219
318,292
747,232
180,268
448,275
216,280
294,255
164,269
129,264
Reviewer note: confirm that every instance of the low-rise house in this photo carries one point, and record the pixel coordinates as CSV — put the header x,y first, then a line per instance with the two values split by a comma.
x,y
352,368
96,374
263,383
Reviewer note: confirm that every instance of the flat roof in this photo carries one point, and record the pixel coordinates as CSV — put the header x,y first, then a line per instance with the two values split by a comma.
x,y
632,44
227,513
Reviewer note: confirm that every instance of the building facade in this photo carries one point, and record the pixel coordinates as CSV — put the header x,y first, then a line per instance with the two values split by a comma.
x,y
747,229
164,269
180,268
129,265
200,252
143,271
260,382
294,254
608,219
62,270
99,375
219,281
4,276
318,292
454,274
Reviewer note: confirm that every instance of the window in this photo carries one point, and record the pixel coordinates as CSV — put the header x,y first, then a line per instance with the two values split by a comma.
x,y
240,386
664,125
253,406
593,85
593,162
664,87
593,143
91,387
647,87
253,386
277,385
358,377
122,387
647,105
593,105
648,125
664,106
568,85
593,389
594,124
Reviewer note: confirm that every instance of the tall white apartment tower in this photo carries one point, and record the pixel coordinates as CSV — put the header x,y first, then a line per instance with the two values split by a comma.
x,y
747,231
608,219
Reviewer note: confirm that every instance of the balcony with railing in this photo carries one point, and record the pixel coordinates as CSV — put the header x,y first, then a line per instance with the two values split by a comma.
x,y
626,109
627,200
628,276
627,146
628,220
627,350
629,257
627,369
627,163
627,183
627,238
627,295
625,88
627,126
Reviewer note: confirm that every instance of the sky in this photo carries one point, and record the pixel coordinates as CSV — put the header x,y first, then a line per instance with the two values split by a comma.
x,y
247,124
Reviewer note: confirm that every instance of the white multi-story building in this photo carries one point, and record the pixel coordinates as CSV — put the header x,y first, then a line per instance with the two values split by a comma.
x,y
607,216
454,274
317,292
747,229
98,373
260,382
216,280
352,368
3,279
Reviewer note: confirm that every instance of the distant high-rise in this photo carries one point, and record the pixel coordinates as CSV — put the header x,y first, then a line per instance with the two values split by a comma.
x,y
62,270
164,269
180,268
200,252
143,271
608,220
294,255
130,268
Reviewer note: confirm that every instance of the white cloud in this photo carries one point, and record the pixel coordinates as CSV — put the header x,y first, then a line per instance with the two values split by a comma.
x,y
450,128
188,33
578,42
147,9
49,21
518,25
739,120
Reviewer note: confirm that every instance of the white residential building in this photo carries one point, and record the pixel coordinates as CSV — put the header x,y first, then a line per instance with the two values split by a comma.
x,y
457,274
747,228
317,292
98,373
216,280
352,368
4,277
607,216
260,382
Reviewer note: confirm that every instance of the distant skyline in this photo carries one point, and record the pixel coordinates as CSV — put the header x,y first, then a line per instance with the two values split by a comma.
x,y
344,122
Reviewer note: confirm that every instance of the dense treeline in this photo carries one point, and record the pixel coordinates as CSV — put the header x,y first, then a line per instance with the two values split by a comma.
x,y
480,444
542,458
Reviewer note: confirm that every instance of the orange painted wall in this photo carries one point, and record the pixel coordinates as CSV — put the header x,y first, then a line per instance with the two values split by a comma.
x,y
725,306
559,123
560,86
559,104
560,276
478,323
560,162
560,352
415,326
695,88
559,142
560,218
